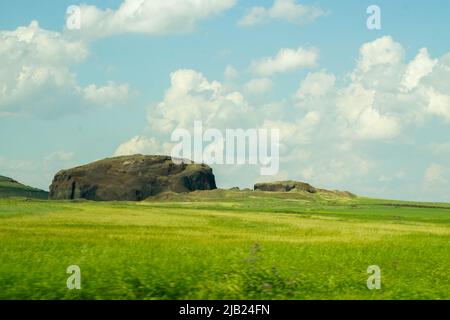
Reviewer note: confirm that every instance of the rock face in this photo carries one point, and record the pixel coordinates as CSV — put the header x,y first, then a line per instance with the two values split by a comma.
x,y
285,186
130,178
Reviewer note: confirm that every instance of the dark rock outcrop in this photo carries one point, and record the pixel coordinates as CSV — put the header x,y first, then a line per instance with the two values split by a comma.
x,y
285,186
130,178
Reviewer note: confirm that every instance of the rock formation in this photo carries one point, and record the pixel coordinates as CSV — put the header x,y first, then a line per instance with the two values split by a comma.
x,y
130,178
285,186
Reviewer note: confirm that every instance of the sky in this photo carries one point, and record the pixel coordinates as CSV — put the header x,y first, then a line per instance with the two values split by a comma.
x,y
358,109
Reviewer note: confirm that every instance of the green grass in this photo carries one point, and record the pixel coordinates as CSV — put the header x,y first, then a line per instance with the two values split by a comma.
x,y
225,245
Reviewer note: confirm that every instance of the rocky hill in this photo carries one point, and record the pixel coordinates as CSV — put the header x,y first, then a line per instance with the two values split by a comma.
x,y
130,178
285,186
12,188
297,186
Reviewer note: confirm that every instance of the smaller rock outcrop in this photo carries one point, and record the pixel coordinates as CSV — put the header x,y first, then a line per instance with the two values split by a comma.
x,y
285,186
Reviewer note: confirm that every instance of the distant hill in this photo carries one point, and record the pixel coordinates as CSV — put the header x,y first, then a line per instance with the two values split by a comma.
x,y
304,193
12,188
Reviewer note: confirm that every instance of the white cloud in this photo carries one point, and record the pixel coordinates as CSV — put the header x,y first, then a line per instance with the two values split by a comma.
x,y
316,84
386,95
439,104
362,119
153,17
254,16
139,145
294,135
33,62
333,131
338,170
383,51
374,125
288,10
258,86
39,46
353,100
192,97
35,75
286,60
111,94
420,67
439,78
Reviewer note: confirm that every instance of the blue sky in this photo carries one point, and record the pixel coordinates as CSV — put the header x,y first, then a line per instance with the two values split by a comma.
x,y
111,88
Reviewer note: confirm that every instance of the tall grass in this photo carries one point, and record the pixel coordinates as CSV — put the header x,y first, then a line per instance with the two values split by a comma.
x,y
226,248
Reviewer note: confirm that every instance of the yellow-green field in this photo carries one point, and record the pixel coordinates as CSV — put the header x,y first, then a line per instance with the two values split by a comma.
x,y
225,245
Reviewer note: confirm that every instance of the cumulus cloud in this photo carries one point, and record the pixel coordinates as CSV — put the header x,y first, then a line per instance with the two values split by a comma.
x,y
384,51
154,17
258,86
286,60
33,63
294,134
287,10
385,101
439,104
337,169
107,95
35,75
139,145
386,94
362,119
439,78
335,132
316,84
193,97
39,46
420,67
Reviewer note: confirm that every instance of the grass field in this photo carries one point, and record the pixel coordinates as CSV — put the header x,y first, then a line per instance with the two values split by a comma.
x,y
225,245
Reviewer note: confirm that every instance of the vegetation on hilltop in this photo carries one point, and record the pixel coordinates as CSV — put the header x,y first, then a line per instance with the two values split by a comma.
x,y
12,188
